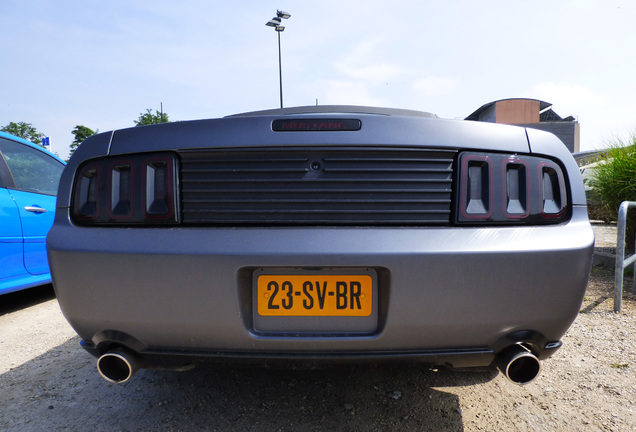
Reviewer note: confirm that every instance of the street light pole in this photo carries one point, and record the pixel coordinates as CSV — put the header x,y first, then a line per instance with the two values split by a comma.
x,y
275,22
280,68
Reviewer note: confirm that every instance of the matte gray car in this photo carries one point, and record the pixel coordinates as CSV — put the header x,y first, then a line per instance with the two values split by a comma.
x,y
321,234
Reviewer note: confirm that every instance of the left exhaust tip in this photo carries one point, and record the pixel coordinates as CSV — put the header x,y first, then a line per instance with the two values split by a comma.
x,y
117,366
519,365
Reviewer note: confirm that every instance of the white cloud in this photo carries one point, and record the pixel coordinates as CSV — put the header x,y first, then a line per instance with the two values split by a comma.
x,y
566,95
374,74
350,93
435,86
364,63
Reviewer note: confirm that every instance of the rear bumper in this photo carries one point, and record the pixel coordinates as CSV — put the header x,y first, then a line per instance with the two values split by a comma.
x,y
444,293
182,360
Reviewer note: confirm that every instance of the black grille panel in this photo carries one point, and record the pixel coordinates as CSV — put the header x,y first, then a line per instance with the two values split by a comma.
x,y
368,187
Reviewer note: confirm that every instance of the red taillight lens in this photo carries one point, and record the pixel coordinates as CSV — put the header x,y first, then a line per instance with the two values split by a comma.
x,y
516,188
498,188
87,186
477,182
121,194
135,190
552,190
158,188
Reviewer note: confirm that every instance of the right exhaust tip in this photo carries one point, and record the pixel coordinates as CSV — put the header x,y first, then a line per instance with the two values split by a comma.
x,y
117,366
519,365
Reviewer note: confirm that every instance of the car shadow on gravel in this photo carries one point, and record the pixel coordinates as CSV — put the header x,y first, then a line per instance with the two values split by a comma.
x,y
61,390
26,298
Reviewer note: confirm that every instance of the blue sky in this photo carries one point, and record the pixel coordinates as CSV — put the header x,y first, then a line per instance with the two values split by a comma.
x,y
102,63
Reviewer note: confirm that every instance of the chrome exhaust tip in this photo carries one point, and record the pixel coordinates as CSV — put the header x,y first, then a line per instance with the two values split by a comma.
x,y
117,366
519,365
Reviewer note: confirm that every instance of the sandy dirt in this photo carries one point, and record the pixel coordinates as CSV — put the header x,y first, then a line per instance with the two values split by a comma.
x,y
48,383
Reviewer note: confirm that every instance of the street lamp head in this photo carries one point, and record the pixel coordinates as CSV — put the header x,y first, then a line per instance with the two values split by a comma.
x,y
280,28
283,14
274,22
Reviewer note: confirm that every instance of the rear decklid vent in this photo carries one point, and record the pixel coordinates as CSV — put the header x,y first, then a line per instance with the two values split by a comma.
x,y
300,186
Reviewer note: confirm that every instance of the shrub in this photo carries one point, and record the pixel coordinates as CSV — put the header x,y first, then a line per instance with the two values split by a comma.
x,y
614,181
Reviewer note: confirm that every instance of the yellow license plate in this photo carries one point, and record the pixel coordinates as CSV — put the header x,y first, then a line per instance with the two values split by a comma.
x,y
315,295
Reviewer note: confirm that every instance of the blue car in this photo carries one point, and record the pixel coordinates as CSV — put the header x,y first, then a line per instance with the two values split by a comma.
x,y
29,177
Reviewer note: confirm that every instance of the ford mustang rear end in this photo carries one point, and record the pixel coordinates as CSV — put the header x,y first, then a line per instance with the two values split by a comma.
x,y
321,234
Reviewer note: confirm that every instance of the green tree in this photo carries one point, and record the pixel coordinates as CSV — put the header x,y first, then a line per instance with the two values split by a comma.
x,y
25,131
81,133
149,118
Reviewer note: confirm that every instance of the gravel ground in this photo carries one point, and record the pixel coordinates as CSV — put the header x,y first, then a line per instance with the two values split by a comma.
x,y
48,384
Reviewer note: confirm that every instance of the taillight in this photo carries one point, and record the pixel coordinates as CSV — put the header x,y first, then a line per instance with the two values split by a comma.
x,y
158,188
130,190
476,190
552,190
512,189
120,190
86,188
